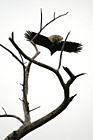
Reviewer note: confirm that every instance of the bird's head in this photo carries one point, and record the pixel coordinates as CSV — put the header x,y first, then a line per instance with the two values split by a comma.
x,y
55,39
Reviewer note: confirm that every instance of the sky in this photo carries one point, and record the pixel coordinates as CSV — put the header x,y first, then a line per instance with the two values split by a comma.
x,y
18,16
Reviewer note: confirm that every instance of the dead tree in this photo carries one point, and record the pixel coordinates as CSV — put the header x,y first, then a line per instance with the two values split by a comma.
x,y
28,126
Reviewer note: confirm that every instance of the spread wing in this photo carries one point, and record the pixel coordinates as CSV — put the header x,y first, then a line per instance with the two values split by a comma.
x,y
39,40
72,47
69,47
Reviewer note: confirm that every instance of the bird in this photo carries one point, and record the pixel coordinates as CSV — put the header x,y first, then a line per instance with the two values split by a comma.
x,y
53,43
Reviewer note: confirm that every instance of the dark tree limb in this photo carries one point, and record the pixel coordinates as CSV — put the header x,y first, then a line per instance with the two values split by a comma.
x,y
69,72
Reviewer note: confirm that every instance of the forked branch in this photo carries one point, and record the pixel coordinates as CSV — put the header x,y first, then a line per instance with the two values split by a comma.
x,y
52,21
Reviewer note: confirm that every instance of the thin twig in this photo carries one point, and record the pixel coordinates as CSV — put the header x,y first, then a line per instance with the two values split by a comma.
x,y
34,109
62,49
14,116
53,20
21,58
54,15
21,84
32,42
72,97
21,100
35,55
41,20
12,36
4,110
71,80
80,74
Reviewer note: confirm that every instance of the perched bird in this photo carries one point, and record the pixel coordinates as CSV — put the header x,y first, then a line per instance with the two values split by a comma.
x,y
53,43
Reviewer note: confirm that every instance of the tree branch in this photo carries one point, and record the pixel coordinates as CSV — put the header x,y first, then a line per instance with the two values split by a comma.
x,y
4,110
62,49
52,21
13,116
54,15
69,72
41,20
34,109
12,54
29,64
72,76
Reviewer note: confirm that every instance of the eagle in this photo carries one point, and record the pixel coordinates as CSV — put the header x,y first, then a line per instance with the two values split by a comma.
x,y
53,43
